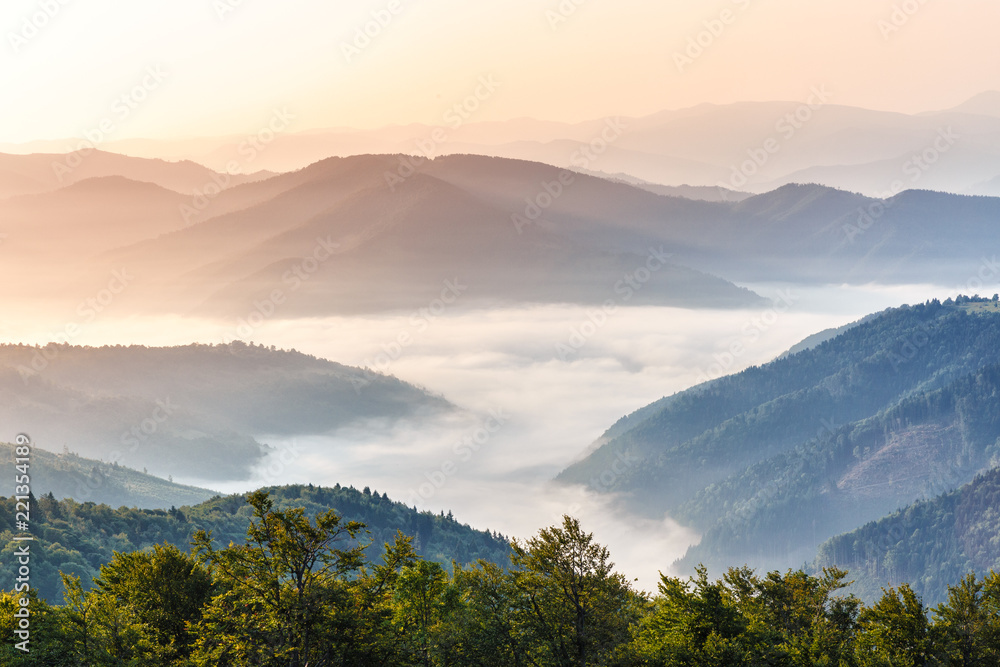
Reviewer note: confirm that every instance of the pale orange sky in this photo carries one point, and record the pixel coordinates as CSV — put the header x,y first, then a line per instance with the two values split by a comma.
x,y
224,67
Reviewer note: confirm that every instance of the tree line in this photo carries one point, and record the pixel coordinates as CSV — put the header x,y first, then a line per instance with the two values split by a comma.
x,y
300,592
78,538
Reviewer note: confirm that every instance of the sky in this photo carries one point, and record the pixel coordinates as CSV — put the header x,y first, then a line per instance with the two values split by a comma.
x,y
168,69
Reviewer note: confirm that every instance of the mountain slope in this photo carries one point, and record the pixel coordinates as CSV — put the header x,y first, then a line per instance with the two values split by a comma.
x,y
192,410
38,223
929,544
68,475
77,538
770,462
516,230
368,242
45,172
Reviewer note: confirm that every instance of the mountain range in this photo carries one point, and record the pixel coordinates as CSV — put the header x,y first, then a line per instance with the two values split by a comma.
x,y
812,140
873,447
381,233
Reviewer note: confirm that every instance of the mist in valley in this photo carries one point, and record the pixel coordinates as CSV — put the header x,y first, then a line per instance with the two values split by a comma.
x,y
535,387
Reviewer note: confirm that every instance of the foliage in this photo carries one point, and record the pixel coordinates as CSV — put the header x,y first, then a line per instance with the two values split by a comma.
x,y
77,538
577,609
298,590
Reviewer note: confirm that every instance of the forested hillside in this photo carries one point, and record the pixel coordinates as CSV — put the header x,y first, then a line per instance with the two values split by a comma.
x,y
930,544
192,409
770,462
300,591
77,538
68,475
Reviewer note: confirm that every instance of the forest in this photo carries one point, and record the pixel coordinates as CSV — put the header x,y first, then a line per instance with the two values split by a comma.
x,y
300,590
78,538
769,463
929,544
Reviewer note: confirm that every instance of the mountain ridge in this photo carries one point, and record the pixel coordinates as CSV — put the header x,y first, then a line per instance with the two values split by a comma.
x,y
178,410
747,458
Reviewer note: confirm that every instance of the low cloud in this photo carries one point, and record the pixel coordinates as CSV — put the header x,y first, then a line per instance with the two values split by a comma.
x,y
525,412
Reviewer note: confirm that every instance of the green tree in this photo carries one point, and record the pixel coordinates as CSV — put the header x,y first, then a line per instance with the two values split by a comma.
x,y
364,628
692,622
795,619
894,632
490,617
576,609
164,590
44,633
279,589
99,632
425,599
967,626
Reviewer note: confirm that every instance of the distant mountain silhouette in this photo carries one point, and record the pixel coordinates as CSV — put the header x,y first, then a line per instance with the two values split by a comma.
x,y
390,232
815,139
373,233
45,172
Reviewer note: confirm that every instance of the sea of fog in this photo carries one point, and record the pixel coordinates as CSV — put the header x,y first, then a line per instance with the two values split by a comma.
x,y
536,384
